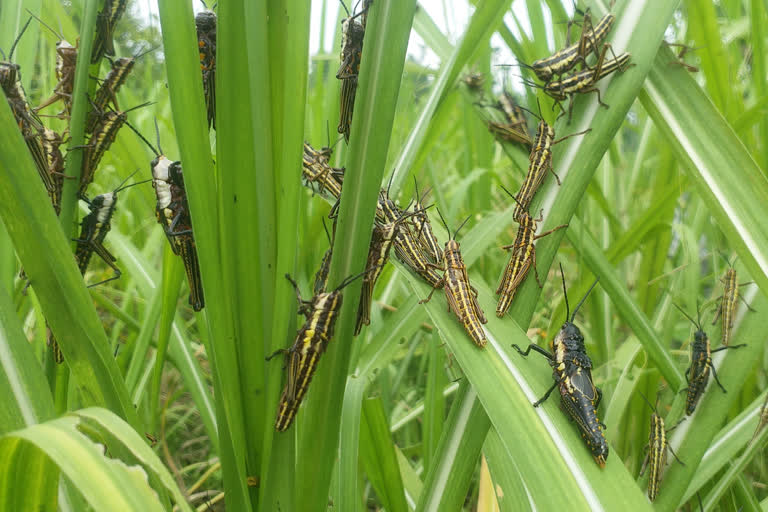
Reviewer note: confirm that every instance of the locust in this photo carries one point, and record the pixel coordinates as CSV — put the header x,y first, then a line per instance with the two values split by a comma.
x,y
523,257
474,81
423,228
94,228
104,134
205,23
514,128
656,458
540,161
352,34
66,58
51,142
28,122
107,91
316,169
106,20
50,341
697,375
572,373
309,344
583,82
382,239
173,214
727,307
459,293
564,60
407,247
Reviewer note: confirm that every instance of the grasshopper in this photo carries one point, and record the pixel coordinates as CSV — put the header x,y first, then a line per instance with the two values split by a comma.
x,y
727,307
522,259
583,82
107,91
382,239
94,228
311,340
28,122
564,60
407,247
316,168
461,296
173,214
66,58
540,162
104,134
658,445
352,34
106,21
572,373
205,23
697,375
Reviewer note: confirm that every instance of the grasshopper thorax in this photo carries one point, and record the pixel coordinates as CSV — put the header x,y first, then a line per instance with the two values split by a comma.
x,y
103,205
570,338
161,180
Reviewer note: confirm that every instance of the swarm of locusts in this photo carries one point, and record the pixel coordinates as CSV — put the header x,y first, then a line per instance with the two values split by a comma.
x,y
403,233
103,123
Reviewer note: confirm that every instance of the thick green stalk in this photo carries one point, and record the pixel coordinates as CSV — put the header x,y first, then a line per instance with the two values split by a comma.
x,y
288,74
388,30
183,62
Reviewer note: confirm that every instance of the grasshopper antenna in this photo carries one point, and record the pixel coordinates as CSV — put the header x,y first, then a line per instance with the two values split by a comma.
x,y
583,299
13,47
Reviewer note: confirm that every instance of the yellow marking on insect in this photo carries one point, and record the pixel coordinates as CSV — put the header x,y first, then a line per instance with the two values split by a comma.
x,y
565,59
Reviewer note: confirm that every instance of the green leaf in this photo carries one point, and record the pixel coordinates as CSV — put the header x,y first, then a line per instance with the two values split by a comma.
x,y
121,487
378,456
47,259
450,474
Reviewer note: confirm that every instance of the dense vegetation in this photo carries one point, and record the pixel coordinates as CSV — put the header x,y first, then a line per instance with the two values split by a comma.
x,y
157,405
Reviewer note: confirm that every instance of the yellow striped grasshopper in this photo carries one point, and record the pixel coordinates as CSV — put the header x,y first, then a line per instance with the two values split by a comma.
x,y
28,122
572,373
514,128
316,169
583,82
461,296
66,58
697,375
727,307
107,91
522,259
564,60
382,239
540,162
352,34
52,142
309,344
656,458
205,23
104,134
407,247
106,20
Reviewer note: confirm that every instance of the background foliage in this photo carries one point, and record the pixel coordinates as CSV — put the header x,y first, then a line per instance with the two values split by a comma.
x,y
669,184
